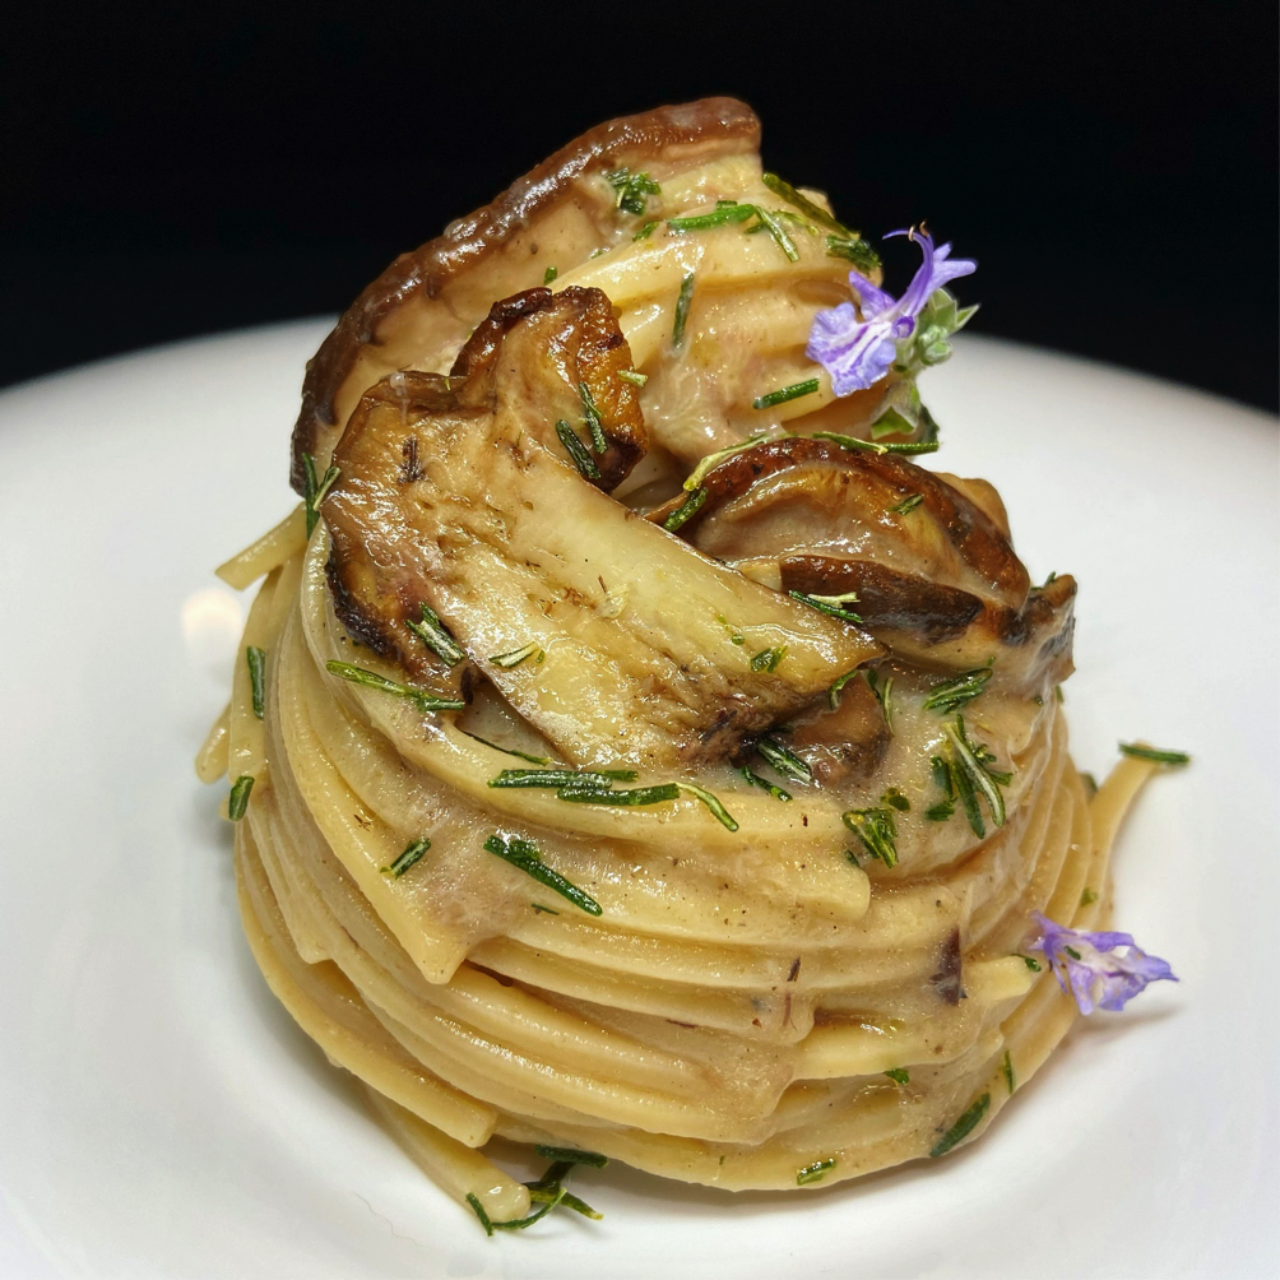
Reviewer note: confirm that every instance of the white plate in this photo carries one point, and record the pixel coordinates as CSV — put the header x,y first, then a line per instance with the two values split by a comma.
x,y
160,1116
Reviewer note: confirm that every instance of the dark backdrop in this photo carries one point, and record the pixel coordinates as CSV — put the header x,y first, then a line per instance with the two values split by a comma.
x,y
1113,168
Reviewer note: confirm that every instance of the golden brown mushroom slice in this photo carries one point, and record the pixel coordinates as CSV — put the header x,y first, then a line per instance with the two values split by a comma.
x,y
934,575
420,311
612,638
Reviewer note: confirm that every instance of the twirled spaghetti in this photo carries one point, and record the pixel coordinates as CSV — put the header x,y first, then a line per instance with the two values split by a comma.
x,y
707,841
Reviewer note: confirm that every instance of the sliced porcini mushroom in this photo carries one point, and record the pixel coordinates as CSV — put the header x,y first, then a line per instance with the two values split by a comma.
x,y
751,288
420,311
613,639
844,743
934,574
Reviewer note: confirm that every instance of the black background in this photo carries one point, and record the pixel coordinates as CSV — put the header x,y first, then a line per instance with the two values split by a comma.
x,y
1113,168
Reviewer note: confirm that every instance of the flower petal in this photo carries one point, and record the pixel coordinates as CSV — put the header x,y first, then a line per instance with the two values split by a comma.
x,y
854,354
1089,966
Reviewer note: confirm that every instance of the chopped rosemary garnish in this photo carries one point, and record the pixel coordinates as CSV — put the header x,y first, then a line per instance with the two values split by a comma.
x,y
1088,896
315,492
877,831
855,250
882,687
548,911
785,762
525,855
949,695
719,217
1006,1068
783,394
658,794
433,633
410,855
682,310
1030,961
557,778
962,1127
899,1075
577,451
485,1221
685,511
833,694
570,1155
591,416
808,207
509,751
718,811
896,800
769,659
907,505
257,660
634,189
238,802
852,442
646,231
549,275
1057,693
1156,756
557,1195
713,460
973,770
372,680
513,659
773,225
814,1172
941,811
778,793
1090,784
830,605
631,376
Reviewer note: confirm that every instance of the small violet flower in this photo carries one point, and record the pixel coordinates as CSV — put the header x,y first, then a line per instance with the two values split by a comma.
x,y
1086,965
857,353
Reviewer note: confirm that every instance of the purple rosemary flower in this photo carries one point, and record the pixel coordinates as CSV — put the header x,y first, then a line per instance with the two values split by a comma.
x,y
857,353
1086,964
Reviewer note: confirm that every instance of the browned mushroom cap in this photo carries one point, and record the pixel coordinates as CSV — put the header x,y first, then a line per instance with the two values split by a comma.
x,y
545,355
424,305
582,349
614,640
935,577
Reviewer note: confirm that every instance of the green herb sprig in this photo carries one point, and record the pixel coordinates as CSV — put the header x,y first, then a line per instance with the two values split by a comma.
x,y
633,190
513,659
784,761
778,793
769,660
899,1075
528,858
973,776
950,695
832,606
1154,754
257,661
815,1172
433,633
557,778
683,301
591,416
877,831
577,451
685,511
412,853
423,700
238,801
784,394
872,446
962,1127
315,491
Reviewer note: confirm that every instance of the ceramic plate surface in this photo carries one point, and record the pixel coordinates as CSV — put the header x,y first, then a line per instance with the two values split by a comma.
x,y
160,1115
